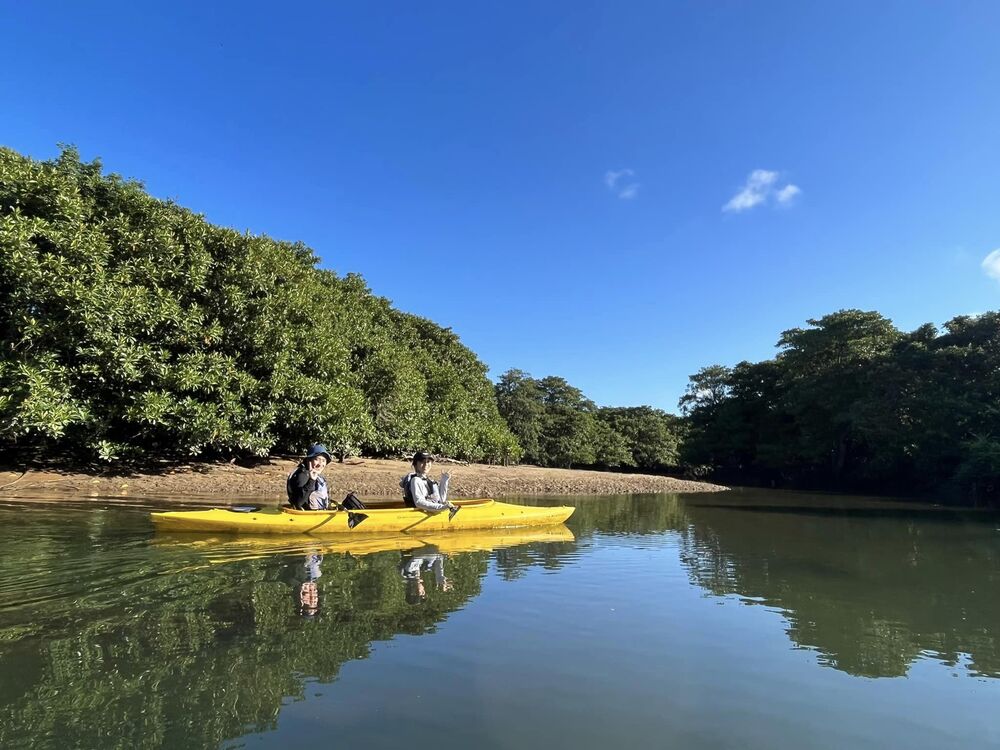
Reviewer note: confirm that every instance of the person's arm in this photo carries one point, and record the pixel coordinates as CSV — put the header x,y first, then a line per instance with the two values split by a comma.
x,y
300,485
439,493
421,499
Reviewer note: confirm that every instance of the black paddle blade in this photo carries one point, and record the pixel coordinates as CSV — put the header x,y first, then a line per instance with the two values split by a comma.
x,y
353,519
452,512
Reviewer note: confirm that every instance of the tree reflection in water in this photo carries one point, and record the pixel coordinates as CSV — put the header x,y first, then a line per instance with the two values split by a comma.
x,y
195,650
870,585
871,588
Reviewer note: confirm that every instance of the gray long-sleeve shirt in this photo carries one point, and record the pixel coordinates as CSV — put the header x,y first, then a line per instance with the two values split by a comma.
x,y
423,498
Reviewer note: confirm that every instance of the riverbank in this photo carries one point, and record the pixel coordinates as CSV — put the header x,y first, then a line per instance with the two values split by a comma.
x,y
373,478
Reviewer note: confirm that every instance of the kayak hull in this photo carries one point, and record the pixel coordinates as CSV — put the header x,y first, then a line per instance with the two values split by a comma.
x,y
474,514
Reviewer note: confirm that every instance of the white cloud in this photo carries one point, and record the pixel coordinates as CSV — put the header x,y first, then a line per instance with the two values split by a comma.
x,y
755,191
991,265
620,183
760,186
629,191
611,177
787,194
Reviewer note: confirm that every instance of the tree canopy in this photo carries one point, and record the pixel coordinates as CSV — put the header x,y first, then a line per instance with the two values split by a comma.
x,y
853,401
129,324
557,425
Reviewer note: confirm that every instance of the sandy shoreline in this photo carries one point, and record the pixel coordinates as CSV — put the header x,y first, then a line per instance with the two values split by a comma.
x,y
367,477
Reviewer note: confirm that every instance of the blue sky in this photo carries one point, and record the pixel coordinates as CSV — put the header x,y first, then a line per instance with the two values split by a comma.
x,y
549,179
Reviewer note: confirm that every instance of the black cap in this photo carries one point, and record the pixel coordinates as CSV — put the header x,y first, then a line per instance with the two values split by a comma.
x,y
422,456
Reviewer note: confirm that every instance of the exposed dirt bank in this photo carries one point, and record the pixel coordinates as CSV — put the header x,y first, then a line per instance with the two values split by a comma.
x,y
367,477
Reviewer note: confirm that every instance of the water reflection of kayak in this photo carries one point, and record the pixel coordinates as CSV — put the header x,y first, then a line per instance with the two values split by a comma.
x,y
229,548
474,514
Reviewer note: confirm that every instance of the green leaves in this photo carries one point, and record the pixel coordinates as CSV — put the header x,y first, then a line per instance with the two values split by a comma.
x,y
130,324
35,399
651,437
851,401
558,426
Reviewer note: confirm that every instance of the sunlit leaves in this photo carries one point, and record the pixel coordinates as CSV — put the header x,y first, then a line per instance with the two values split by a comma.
x,y
558,426
130,324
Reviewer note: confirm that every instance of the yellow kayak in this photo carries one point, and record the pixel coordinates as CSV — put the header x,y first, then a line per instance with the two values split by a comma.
x,y
473,514
229,548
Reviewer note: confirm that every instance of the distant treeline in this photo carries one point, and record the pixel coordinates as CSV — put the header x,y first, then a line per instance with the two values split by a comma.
x,y
556,425
851,402
131,327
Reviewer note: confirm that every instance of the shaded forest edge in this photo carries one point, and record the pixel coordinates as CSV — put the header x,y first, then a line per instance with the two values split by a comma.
x,y
132,331
853,403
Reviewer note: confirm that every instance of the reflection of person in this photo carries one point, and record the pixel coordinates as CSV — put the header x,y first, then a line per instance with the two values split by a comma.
x,y
412,567
308,590
305,486
422,492
308,599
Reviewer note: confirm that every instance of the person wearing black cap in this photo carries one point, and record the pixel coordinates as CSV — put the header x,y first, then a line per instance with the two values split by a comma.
x,y
422,492
305,486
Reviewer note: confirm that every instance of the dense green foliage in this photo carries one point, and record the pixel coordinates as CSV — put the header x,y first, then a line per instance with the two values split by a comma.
x,y
852,401
129,324
557,425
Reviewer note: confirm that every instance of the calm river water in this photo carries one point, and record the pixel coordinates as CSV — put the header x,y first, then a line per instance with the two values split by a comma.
x,y
742,620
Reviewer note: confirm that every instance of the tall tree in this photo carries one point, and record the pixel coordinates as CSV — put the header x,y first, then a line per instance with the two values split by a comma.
x,y
826,371
521,402
651,435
